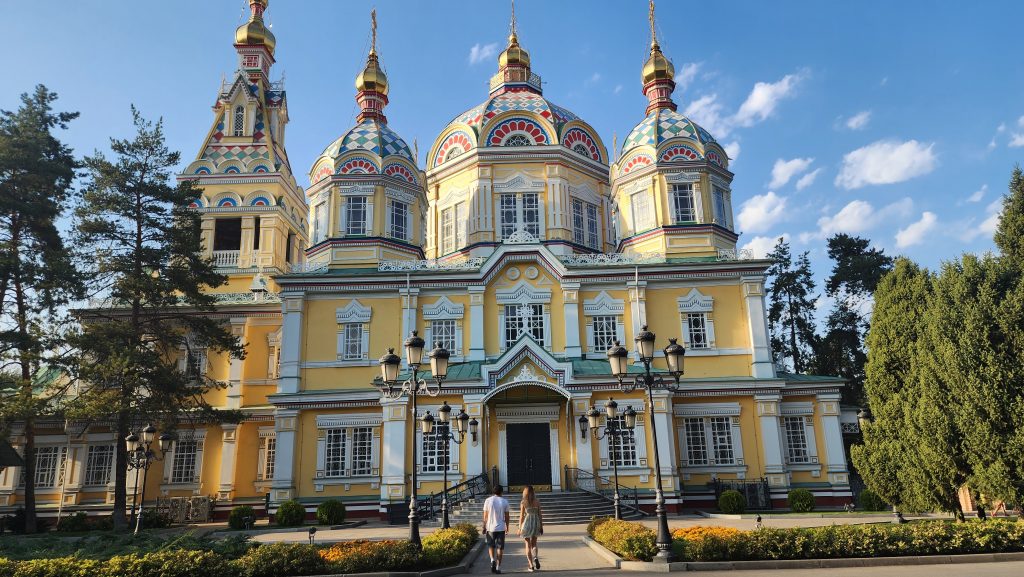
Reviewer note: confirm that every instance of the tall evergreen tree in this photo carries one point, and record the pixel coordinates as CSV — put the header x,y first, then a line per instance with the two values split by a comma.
x,y
1009,234
857,268
791,306
150,268
37,273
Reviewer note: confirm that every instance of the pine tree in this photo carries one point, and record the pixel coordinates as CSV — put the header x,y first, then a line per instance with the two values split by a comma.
x,y
791,306
37,272
1009,235
150,268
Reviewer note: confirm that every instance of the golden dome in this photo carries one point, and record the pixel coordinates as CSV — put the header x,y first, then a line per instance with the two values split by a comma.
x,y
372,78
254,32
658,67
514,54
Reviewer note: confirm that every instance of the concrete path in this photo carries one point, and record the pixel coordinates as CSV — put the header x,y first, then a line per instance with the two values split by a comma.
x,y
1011,569
561,550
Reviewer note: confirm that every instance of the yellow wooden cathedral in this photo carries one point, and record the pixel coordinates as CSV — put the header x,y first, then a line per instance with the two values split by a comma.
x,y
523,246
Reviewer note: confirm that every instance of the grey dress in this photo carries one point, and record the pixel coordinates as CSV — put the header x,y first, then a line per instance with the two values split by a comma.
x,y
531,523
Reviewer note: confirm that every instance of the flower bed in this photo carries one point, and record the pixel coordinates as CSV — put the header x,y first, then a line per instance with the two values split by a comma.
x,y
440,549
832,542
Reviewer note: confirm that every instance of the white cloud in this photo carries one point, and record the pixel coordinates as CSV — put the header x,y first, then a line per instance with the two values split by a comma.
x,y
858,216
807,179
859,121
988,226
760,246
978,194
1017,140
915,232
594,78
1001,128
687,73
885,80
886,162
761,212
707,112
732,150
1020,122
763,99
787,169
617,89
480,52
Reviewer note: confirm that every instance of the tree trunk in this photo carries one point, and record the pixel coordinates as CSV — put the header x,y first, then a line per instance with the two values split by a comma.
x,y
26,382
797,365
120,474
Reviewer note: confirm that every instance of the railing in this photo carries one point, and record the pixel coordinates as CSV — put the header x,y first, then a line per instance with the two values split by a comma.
x,y
430,507
580,480
225,258
309,267
755,491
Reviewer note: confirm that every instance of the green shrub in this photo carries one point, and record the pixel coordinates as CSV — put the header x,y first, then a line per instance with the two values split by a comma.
x,y
240,517
870,501
469,529
594,523
7,567
57,567
801,501
153,519
732,502
280,560
372,556
330,512
290,514
74,523
630,540
169,563
446,547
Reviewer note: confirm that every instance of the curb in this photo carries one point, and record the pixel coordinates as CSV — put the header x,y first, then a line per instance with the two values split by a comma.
x,y
650,567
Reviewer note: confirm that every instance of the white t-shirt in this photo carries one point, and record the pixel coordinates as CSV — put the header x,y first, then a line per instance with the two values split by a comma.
x,y
496,508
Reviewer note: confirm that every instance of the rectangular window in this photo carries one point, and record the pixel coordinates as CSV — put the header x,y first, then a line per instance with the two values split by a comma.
x,y
520,212
183,466
682,203
578,224
508,215
355,215
443,333
318,217
99,461
584,224
721,214
362,451
334,464
268,458
696,442
721,440
697,328
605,330
531,214
239,121
288,247
227,234
623,445
432,460
49,466
460,225
197,362
448,230
643,213
796,440
349,452
525,319
399,225
352,348
593,236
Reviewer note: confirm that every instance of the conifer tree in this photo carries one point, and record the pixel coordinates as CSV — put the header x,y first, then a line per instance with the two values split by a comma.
x,y
791,306
149,268
37,272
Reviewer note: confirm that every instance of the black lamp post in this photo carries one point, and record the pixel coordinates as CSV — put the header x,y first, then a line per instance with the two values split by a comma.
x,y
140,456
392,389
462,420
614,432
674,352
864,419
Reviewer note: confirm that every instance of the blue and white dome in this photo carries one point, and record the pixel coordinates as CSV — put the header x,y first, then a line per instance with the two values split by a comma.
x,y
675,137
369,147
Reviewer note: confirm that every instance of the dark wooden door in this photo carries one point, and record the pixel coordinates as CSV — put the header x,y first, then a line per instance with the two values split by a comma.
x,y
529,454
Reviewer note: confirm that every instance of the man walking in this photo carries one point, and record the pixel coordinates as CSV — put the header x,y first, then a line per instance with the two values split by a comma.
x,y
495,526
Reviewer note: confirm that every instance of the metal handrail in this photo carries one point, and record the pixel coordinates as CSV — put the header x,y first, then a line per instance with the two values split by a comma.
x,y
588,482
430,507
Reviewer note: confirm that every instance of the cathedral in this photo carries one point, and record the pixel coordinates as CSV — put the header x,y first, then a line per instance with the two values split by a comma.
x,y
523,246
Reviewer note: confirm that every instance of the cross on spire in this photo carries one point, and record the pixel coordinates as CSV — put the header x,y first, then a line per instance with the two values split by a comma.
x,y
373,31
650,18
512,23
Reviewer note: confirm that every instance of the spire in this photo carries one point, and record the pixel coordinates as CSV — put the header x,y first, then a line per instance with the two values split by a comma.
x,y
255,32
514,64
372,83
512,25
658,73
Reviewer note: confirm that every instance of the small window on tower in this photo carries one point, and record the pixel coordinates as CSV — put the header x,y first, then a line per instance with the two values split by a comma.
x,y
239,122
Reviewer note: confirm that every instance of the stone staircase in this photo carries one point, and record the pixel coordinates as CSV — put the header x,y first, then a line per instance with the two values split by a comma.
x,y
556,508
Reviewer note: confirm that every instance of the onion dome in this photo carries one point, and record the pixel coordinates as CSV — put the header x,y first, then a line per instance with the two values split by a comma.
x,y
372,78
514,54
658,67
255,32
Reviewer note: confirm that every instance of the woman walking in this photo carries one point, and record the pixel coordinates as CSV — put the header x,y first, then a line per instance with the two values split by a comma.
x,y
531,526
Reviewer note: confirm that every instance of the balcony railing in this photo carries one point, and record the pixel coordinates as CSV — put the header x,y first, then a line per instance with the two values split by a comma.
x,y
225,258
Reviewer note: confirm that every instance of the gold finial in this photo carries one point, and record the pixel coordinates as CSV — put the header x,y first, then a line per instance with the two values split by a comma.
x,y
512,24
373,31
650,18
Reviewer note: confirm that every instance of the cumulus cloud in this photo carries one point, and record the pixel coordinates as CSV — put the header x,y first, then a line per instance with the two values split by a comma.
x,y
707,111
857,217
978,194
761,212
886,162
764,98
859,121
987,228
1016,140
732,150
807,179
480,52
916,232
760,246
687,73
784,170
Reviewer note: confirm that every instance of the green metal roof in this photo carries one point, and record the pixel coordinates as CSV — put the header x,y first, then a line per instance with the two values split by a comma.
x,y
8,456
798,378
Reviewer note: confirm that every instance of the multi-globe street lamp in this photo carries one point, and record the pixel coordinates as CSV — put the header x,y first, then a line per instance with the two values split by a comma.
x,y
140,456
462,423
674,352
391,388
614,431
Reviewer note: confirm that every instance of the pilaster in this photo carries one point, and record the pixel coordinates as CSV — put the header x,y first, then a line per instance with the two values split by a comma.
x,y
234,392
662,416
475,449
584,443
771,440
291,344
757,323
228,451
638,306
476,323
286,424
393,448
410,297
571,312
835,455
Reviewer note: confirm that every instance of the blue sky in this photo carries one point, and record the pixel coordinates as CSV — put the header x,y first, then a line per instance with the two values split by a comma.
x,y
899,121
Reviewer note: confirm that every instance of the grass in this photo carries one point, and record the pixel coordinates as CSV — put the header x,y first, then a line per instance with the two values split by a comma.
x,y
102,545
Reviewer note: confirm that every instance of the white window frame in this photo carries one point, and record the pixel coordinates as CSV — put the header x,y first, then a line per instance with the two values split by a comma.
x,y
716,449
399,223
680,193
51,463
641,206
638,442
352,431
603,305
347,318
520,211
524,293
721,204
793,427
431,448
585,224
353,226
444,309
266,455
238,124
99,468
171,477
697,303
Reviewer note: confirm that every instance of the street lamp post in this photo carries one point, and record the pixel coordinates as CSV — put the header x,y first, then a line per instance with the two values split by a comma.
x,y
614,432
461,422
140,456
864,419
392,389
674,353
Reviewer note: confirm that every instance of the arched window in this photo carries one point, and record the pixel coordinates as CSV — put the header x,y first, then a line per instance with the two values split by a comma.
x,y
454,152
517,140
239,123
580,149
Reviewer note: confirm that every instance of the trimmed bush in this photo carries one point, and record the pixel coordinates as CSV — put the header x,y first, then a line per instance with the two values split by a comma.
x,y
732,502
371,556
240,516
629,540
330,512
594,523
170,563
870,501
281,560
446,547
58,567
74,523
469,529
153,519
290,513
801,501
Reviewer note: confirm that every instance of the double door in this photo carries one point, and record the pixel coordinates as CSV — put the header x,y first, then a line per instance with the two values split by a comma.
x,y
528,447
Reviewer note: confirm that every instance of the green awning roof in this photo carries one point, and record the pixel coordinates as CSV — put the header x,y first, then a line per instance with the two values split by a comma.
x,y
8,456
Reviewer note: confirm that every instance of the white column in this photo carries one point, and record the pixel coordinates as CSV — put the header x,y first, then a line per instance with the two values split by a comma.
x,y
835,456
771,442
584,444
475,450
476,323
227,461
285,426
291,344
666,448
638,305
409,308
393,449
234,392
757,322
571,310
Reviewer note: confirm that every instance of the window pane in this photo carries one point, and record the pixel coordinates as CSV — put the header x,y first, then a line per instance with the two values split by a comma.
x,y
399,213
531,214
334,461
721,440
239,121
98,463
352,348
623,445
508,215
593,238
796,440
696,443
443,332
721,217
355,219
682,196
448,230
525,319
269,454
697,330
362,451
432,460
604,329
578,225
643,217
460,225
183,468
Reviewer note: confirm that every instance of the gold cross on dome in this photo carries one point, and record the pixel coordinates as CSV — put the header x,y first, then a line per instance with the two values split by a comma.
x,y
650,18
373,30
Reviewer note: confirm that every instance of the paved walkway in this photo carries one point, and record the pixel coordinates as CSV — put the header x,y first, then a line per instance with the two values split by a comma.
x,y
561,550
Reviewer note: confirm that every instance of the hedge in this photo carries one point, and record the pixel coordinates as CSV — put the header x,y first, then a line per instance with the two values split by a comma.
x,y
629,540
330,512
801,501
241,516
732,502
870,501
290,513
